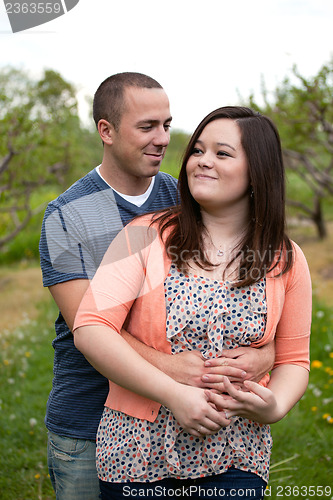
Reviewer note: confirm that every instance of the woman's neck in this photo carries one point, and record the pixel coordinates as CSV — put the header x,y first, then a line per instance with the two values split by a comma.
x,y
221,238
224,228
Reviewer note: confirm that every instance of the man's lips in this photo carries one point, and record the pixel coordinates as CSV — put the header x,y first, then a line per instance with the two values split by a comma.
x,y
157,156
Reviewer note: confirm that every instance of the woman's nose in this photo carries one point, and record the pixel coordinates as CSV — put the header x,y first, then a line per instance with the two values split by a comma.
x,y
206,160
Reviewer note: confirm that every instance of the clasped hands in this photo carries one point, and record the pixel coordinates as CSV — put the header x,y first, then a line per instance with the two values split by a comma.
x,y
217,389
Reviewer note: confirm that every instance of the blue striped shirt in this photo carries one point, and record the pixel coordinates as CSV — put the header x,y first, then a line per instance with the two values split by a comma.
x,y
77,229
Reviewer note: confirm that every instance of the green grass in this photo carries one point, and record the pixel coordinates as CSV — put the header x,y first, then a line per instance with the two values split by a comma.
x,y
302,450
26,360
304,438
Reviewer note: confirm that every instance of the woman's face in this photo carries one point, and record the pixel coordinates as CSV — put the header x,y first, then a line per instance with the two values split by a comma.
x,y
217,170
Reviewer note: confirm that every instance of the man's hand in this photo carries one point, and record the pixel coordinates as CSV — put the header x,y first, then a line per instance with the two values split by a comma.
x,y
189,367
185,367
239,364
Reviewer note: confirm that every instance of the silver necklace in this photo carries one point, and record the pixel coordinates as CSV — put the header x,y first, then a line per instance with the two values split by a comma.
x,y
219,252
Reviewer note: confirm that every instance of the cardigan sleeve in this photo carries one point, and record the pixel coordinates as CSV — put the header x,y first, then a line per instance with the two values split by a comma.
x,y
293,329
120,279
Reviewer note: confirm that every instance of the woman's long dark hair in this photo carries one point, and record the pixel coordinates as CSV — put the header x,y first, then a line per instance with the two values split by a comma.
x,y
265,242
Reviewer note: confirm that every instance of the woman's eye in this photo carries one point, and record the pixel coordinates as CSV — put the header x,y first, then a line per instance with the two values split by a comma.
x,y
196,151
222,153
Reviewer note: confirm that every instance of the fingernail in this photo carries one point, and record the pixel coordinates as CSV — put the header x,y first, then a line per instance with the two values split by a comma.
x,y
205,378
207,363
243,374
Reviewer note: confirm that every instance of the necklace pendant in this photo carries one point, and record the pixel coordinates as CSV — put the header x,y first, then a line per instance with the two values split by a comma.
x,y
220,253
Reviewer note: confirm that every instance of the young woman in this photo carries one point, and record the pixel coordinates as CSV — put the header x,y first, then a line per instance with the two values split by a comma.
x,y
216,272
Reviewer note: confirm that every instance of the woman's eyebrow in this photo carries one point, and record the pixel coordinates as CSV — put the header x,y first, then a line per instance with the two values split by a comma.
x,y
226,144
219,144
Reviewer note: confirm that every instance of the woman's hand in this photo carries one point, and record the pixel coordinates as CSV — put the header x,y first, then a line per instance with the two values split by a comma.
x,y
194,412
252,401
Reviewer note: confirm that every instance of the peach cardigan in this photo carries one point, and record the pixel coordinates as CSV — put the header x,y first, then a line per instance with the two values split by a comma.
x,y
127,291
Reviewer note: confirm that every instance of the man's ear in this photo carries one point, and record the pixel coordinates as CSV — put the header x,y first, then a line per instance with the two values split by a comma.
x,y
106,131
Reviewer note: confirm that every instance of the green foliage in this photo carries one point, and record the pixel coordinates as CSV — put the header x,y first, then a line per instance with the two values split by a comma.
x,y
24,247
173,157
55,97
302,109
42,143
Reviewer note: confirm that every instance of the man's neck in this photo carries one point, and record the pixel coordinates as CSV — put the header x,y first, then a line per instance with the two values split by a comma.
x,y
128,185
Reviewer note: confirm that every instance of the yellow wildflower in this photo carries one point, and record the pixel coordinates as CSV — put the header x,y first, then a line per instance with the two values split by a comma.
x,y
314,408
316,364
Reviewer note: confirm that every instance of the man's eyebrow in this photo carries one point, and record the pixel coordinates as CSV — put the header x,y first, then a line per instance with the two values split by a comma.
x,y
152,121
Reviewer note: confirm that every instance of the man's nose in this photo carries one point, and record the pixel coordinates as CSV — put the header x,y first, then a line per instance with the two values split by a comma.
x,y
162,137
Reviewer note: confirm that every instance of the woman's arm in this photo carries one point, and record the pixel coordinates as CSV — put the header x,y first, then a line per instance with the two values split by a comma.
x,y
111,355
265,405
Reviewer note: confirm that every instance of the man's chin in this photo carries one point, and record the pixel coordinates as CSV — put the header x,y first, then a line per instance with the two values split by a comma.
x,y
153,167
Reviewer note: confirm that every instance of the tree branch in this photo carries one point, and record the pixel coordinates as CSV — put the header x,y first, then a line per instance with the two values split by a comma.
x,y
302,206
6,160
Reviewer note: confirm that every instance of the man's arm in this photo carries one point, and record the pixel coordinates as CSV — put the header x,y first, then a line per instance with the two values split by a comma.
x,y
68,296
190,368
187,367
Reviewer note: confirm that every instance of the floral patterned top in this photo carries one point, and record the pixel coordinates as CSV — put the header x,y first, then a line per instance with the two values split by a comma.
x,y
209,316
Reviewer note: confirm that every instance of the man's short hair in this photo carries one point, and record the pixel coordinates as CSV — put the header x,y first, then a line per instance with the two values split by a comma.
x,y
109,98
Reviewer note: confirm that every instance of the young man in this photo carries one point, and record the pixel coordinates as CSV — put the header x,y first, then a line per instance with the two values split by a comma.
x,y
133,118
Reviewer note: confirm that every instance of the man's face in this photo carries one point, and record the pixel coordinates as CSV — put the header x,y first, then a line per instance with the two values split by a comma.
x,y
139,144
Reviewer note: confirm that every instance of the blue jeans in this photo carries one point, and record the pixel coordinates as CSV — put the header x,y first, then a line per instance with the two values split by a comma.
x,y
234,484
72,468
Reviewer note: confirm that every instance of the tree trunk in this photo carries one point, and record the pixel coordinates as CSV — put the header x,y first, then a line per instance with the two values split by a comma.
x,y
318,218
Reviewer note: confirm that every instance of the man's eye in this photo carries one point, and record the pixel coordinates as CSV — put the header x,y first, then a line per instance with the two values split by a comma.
x,y
167,126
